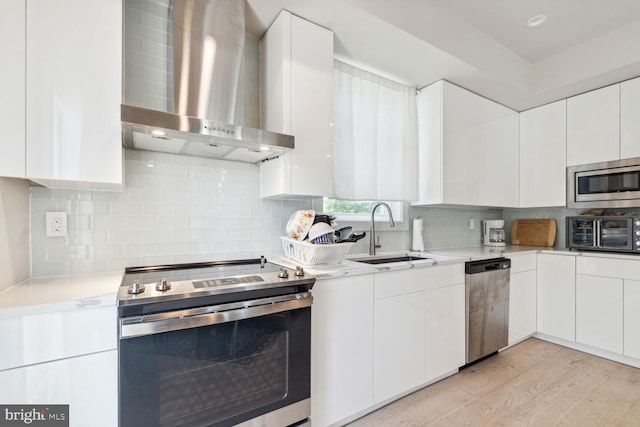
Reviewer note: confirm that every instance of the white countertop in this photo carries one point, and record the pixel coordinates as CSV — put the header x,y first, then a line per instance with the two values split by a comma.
x,y
60,293
475,253
436,257
347,267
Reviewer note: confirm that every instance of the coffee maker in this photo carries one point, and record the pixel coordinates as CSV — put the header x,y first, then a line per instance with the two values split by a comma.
x,y
493,232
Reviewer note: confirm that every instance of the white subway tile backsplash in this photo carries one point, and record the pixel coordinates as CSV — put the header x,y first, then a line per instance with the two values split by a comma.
x,y
157,235
112,230
126,208
171,248
142,222
140,249
124,236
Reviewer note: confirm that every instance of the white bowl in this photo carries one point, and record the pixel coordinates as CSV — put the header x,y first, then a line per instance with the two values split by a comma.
x,y
321,229
300,223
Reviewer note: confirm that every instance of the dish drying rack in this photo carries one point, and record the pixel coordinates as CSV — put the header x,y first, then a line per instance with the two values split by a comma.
x,y
314,254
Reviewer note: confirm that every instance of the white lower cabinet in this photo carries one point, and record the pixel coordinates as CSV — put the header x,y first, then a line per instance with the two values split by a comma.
x,y
376,337
608,304
63,357
556,302
445,330
399,362
419,330
599,312
88,384
522,297
632,318
341,348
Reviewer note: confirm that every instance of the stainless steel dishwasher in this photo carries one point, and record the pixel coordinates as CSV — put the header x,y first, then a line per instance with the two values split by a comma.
x,y
487,304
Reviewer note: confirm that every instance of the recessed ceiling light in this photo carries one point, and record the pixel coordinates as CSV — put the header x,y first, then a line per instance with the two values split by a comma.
x,y
537,20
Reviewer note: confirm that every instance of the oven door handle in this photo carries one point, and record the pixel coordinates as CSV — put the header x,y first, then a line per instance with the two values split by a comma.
x,y
193,318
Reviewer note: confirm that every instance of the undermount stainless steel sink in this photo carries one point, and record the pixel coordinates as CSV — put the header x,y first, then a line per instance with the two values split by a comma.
x,y
388,259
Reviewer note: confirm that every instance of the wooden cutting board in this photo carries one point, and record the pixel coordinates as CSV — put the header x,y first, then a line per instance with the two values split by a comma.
x,y
533,232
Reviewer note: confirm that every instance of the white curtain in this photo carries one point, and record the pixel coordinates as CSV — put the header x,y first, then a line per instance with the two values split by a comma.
x,y
375,137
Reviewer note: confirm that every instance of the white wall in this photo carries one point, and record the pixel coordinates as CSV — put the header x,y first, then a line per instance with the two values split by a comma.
x,y
14,231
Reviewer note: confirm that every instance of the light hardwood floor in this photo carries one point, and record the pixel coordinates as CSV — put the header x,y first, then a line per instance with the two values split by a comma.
x,y
534,383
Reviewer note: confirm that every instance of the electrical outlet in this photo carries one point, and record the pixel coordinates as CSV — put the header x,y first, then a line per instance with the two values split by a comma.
x,y
56,224
472,224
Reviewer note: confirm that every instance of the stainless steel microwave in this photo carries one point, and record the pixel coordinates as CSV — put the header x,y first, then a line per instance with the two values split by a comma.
x,y
604,233
613,184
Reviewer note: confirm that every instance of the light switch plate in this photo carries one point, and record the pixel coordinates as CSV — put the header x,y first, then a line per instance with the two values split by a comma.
x,y
56,224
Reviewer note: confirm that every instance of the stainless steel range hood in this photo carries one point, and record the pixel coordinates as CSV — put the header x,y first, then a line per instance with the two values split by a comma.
x,y
184,65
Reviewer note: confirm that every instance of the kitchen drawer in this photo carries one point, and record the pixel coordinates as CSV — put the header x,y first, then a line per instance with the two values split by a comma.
x,y
88,384
402,282
444,275
38,338
398,282
608,267
522,262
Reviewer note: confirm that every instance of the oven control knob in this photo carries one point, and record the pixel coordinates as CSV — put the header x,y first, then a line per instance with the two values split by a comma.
x,y
299,272
163,286
136,288
283,273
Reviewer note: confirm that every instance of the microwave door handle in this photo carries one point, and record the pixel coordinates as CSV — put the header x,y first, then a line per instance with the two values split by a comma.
x,y
596,233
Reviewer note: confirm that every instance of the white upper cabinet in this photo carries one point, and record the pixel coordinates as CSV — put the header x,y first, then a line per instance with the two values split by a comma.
x,y
629,119
297,99
593,126
73,81
543,156
468,149
12,87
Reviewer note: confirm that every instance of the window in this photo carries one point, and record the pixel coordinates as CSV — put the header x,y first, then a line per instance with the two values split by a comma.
x,y
360,211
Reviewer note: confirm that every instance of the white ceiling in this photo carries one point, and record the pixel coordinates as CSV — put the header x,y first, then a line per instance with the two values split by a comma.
x,y
482,45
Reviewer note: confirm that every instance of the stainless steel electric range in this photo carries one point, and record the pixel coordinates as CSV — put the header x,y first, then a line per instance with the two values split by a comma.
x,y
215,344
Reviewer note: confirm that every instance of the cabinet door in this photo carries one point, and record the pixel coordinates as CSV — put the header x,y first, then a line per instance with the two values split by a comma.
x,y
74,57
445,312
341,348
593,126
522,305
430,150
399,353
556,307
42,337
632,318
297,99
480,145
599,314
88,384
12,88
543,156
629,123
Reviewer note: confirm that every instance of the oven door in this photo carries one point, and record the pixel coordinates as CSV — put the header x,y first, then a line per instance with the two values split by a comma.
x,y
209,367
582,232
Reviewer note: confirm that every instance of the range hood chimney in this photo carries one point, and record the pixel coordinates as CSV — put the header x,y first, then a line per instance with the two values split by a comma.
x,y
184,65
